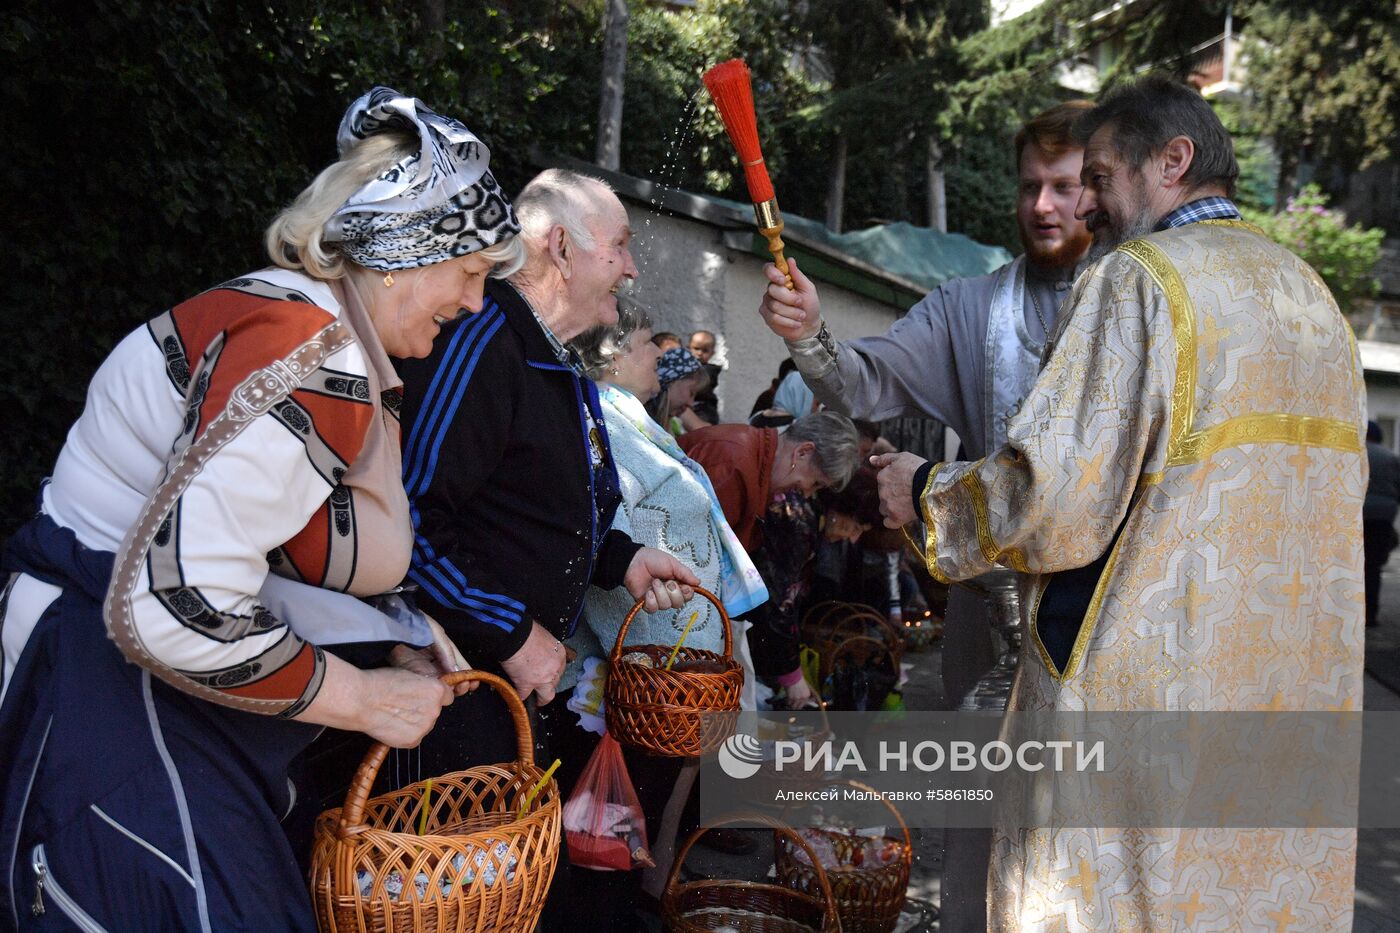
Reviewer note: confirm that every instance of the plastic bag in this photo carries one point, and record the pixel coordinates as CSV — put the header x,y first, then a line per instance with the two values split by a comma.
x,y
864,848
603,822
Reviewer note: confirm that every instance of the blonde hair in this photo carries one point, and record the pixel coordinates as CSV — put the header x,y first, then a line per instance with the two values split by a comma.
x,y
294,238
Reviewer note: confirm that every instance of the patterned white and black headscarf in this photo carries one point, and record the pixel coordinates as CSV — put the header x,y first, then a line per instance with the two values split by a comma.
x,y
675,363
438,203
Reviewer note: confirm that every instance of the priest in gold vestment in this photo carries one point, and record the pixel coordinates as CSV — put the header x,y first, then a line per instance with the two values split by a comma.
x,y
1182,492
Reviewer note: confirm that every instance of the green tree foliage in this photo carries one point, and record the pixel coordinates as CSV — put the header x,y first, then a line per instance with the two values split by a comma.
x,y
149,146
982,177
1325,79
138,175
672,131
891,66
1255,188
1344,256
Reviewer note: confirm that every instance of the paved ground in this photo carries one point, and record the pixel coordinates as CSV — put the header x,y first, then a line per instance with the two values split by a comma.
x,y
1378,850
1378,854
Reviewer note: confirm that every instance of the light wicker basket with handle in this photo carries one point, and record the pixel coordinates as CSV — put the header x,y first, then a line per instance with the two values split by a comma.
x,y
675,713
869,898
751,906
481,864
817,616
829,624
865,651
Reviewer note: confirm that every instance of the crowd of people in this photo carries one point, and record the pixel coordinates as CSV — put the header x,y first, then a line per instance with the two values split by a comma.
x,y
435,433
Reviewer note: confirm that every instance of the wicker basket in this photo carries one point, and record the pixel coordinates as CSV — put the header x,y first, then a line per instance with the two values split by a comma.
x,y
818,615
480,865
828,624
819,620
868,899
868,623
672,713
797,780
751,906
874,656
866,649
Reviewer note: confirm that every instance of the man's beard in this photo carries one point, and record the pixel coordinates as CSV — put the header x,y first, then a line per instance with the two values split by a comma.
x,y
1109,232
1062,256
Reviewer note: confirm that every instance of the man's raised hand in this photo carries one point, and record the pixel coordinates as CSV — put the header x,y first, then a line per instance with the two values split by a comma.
x,y
790,313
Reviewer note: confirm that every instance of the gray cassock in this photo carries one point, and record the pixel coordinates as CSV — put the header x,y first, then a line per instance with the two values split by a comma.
x,y
966,355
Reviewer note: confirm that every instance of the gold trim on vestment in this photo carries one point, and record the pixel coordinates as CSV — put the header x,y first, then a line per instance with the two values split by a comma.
x,y
1041,586
1237,224
1301,430
1185,446
1091,614
985,541
1183,312
930,531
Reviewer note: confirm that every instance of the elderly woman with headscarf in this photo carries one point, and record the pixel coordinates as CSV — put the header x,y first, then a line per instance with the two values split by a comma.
x,y
231,486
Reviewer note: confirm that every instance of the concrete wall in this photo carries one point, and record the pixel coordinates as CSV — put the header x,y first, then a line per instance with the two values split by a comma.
x,y
692,281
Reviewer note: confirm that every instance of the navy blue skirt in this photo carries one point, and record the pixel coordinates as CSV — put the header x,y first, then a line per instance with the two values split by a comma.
x,y
128,804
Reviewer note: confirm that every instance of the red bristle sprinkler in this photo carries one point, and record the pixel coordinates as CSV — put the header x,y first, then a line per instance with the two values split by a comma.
x,y
729,86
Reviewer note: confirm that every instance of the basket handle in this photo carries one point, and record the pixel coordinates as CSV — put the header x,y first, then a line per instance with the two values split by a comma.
x,y
849,643
832,618
637,607
825,608
856,624
903,826
353,813
881,624
882,797
828,896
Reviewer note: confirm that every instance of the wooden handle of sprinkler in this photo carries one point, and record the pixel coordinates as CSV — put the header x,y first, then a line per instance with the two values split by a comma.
x,y
770,225
774,235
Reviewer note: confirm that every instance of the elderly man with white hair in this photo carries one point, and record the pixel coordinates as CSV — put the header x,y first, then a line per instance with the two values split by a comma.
x,y
510,479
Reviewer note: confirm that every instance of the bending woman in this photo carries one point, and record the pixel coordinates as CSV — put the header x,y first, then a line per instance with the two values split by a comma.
x,y
158,679
682,378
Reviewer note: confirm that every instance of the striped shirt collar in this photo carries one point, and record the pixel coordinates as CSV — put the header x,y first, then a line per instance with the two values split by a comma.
x,y
1210,208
